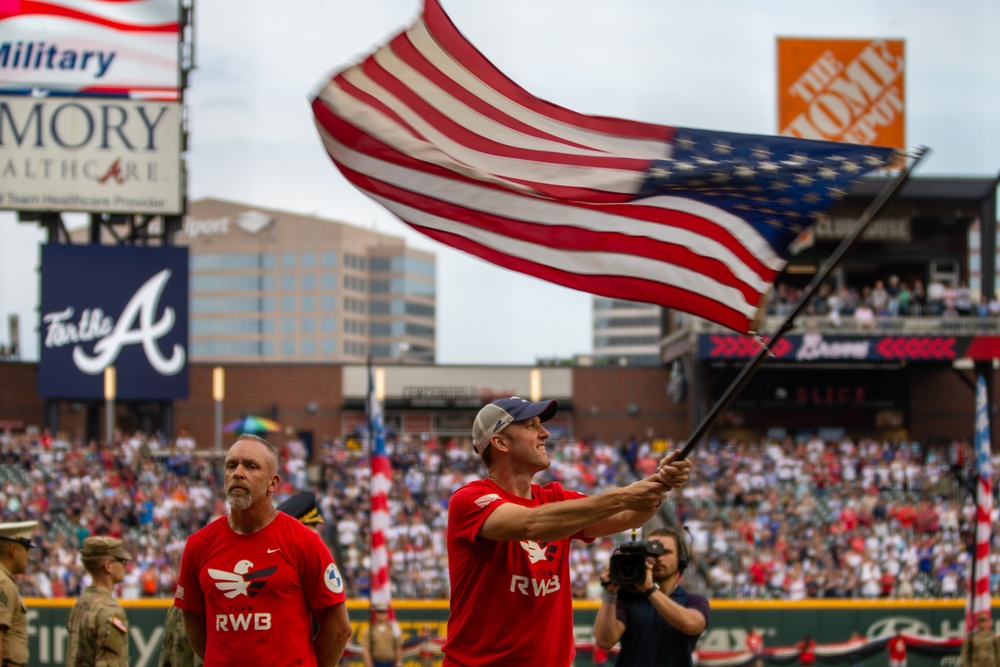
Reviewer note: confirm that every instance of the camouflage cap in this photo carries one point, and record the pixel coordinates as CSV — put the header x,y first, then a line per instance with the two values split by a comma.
x,y
101,547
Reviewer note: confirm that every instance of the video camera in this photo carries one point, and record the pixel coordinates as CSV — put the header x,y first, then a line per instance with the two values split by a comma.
x,y
628,562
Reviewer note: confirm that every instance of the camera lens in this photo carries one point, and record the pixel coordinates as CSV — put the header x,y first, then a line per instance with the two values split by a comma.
x,y
628,569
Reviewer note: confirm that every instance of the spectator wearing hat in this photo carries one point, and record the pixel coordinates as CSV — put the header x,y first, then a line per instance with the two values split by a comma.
x,y
381,646
175,649
15,540
98,628
227,565
508,540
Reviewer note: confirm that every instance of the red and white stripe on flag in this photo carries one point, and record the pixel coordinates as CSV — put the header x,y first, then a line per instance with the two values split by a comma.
x,y
381,483
979,571
689,219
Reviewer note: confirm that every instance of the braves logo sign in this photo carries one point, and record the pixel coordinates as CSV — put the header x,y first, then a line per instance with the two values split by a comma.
x,y
136,326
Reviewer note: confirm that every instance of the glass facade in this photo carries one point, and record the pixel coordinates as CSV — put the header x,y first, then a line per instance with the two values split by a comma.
x,y
626,332
281,295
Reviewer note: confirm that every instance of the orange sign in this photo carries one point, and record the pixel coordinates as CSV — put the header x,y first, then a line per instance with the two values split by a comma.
x,y
848,90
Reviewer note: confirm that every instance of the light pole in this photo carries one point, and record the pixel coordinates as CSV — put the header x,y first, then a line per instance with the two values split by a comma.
x,y
535,384
110,388
219,395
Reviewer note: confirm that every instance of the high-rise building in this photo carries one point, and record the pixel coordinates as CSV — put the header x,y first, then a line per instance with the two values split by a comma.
x,y
626,333
276,286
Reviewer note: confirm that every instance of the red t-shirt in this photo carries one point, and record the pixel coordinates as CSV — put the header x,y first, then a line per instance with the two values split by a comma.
x,y
511,602
897,648
807,653
755,642
257,591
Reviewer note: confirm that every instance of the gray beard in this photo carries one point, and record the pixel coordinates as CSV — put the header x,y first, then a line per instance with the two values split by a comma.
x,y
239,499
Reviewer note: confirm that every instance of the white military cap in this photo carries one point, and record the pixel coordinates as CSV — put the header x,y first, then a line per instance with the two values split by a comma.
x,y
19,531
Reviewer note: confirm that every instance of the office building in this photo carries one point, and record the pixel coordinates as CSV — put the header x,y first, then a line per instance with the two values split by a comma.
x,y
626,333
274,286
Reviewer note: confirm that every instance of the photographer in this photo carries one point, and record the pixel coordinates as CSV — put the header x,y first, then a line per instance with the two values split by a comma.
x,y
657,621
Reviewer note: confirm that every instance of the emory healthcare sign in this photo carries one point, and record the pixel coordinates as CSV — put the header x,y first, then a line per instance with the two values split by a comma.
x,y
97,47
120,306
107,155
849,90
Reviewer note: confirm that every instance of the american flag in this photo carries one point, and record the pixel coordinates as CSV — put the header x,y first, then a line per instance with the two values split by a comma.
x,y
381,482
685,218
979,573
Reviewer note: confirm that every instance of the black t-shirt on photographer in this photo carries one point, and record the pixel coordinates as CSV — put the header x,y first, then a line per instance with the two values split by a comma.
x,y
650,640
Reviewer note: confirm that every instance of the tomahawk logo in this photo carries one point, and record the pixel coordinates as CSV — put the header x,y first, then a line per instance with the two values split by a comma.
x,y
136,325
241,581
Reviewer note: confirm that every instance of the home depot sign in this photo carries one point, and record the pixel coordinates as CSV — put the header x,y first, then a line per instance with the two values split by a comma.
x,y
848,90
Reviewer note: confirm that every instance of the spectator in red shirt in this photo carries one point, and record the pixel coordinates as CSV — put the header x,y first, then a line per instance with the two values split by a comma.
x,y
897,650
927,520
807,651
755,645
905,514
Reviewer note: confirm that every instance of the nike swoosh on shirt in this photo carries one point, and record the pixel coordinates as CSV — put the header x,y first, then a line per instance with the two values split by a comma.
x,y
271,551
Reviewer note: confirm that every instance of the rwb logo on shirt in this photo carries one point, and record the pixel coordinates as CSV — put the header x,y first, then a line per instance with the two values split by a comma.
x,y
536,587
241,581
238,622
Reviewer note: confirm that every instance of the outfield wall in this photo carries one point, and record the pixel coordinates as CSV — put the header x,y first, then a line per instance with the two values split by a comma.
x,y
782,623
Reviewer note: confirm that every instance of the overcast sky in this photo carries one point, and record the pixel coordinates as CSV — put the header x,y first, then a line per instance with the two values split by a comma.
x,y
708,64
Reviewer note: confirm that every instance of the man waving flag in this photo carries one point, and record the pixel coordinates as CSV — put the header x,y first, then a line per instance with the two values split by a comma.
x,y
690,219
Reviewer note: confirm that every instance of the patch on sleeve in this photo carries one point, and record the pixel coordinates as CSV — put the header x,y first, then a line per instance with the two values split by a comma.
x,y
483,501
119,623
3,600
179,592
332,578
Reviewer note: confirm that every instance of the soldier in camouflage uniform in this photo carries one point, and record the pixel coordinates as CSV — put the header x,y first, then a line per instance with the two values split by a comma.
x,y
981,647
98,629
15,540
176,651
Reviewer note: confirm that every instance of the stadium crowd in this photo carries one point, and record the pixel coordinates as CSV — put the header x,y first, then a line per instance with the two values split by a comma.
x,y
887,298
792,519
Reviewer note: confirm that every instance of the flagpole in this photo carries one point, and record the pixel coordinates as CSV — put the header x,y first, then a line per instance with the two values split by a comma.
x,y
884,196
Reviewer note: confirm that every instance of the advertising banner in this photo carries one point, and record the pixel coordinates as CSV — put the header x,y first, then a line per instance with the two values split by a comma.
x,y
829,622
98,47
833,389
121,306
93,155
842,347
850,90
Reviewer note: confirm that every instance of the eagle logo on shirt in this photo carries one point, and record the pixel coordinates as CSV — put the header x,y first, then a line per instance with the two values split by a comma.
x,y
538,552
241,581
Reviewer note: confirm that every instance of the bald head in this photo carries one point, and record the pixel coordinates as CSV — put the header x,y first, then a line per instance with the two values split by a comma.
x,y
272,453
